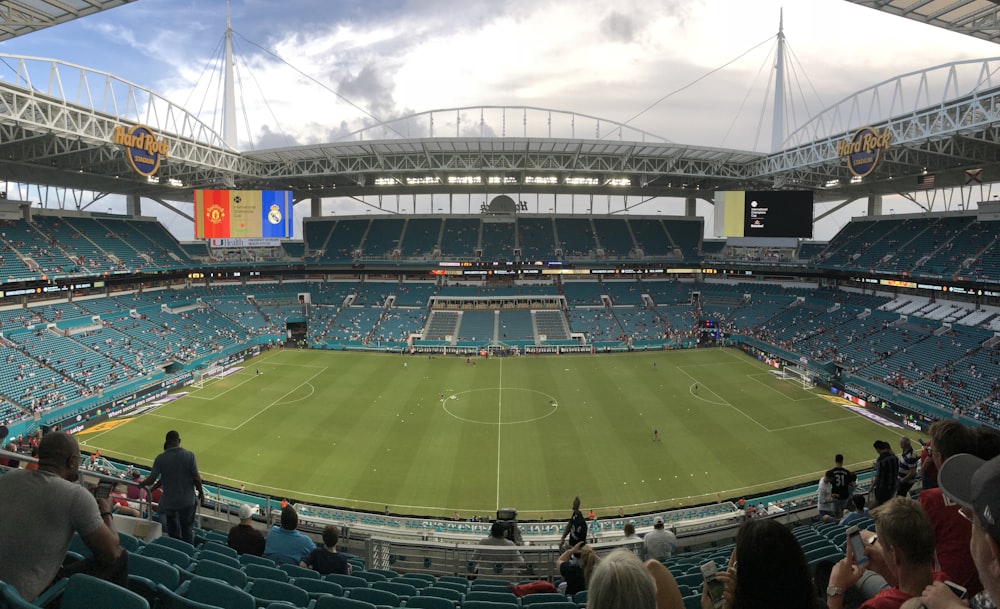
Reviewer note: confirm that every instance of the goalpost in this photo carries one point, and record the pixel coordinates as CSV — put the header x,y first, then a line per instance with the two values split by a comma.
x,y
210,373
794,373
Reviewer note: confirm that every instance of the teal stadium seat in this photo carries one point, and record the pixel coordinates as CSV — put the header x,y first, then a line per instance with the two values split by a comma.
x,y
390,574
347,581
316,587
494,596
402,590
296,572
86,592
488,605
417,583
270,590
340,602
369,576
222,559
175,557
429,602
219,571
146,574
379,598
250,559
221,548
452,595
177,544
216,593
168,599
427,577
565,604
450,585
256,572
542,597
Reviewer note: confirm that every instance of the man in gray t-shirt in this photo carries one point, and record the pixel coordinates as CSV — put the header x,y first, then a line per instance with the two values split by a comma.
x,y
39,512
177,471
659,543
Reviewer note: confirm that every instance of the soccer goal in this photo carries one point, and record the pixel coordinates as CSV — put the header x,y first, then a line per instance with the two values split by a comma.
x,y
208,374
794,373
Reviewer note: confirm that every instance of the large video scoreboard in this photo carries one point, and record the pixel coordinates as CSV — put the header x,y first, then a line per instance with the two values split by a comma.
x,y
760,213
243,214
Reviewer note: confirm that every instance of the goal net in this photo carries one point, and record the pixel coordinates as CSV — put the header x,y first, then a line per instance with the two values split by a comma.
x,y
208,374
796,374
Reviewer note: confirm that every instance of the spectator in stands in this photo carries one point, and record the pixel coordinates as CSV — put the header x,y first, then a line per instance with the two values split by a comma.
x,y
576,528
629,531
44,508
494,560
908,462
885,475
927,467
974,484
902,551
576,565
285,545
244,537
767,570
620,580
176,470
326,560
951,531
843,481
134,491
857,511
825,503
659,543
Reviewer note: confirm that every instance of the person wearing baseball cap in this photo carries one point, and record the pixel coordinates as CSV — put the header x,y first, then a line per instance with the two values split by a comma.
x,y
243,537
974,484
660,543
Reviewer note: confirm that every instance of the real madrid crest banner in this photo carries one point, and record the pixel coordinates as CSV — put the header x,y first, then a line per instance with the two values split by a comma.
x,y
242,214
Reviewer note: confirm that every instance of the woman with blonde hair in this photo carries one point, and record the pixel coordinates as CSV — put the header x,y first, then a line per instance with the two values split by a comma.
x,y
576,566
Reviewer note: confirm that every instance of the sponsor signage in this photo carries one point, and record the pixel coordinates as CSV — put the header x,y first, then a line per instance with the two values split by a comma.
x,y
143,149
864,149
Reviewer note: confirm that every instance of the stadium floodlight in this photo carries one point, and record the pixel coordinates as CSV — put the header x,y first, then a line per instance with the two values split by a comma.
x,y
465,180
175,183
581,182
385,181
546,180
152,179
425,181
831,183
618,182
501,180
855,179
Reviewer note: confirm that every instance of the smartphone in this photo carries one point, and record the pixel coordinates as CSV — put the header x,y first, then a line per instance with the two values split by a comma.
x,y
857,546
714,586
103,489
956,589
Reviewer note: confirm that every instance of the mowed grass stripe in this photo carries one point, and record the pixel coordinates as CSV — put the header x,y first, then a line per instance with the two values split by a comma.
x,y
371,430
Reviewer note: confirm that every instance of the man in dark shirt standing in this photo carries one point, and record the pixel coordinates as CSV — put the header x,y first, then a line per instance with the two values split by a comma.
x,y
842,479
576,528
177,470
886,474
244,538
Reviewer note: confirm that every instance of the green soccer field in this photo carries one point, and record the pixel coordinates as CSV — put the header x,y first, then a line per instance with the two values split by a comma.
x,y
439,435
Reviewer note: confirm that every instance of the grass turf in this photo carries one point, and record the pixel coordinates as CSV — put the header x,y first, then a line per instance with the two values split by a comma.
x,y
437,435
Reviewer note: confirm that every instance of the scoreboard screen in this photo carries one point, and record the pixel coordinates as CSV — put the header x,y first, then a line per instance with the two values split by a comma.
x,y
243,214
764,213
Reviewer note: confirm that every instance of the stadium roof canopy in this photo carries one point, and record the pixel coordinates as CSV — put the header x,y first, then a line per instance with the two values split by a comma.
x,y
19,17
977,18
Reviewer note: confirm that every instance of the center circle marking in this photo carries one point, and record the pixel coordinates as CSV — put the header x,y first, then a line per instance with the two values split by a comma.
x,y
553,405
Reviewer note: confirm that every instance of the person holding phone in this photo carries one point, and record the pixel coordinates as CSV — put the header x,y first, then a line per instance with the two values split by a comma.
x,y
50,508
767,570
901,550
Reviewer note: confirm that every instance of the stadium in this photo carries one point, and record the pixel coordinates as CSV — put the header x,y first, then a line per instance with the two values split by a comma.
x,y
411,376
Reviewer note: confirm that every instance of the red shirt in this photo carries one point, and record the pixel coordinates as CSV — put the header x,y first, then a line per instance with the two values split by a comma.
x,y
892,598
951,540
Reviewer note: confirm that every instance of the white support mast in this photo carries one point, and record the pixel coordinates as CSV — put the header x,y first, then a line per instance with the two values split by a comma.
x,y
778,120
229,93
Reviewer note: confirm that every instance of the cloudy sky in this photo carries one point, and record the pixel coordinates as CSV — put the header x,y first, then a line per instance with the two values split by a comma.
x,y
315,70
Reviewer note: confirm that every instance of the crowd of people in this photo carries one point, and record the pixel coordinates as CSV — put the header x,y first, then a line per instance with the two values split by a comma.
x,y
928,546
